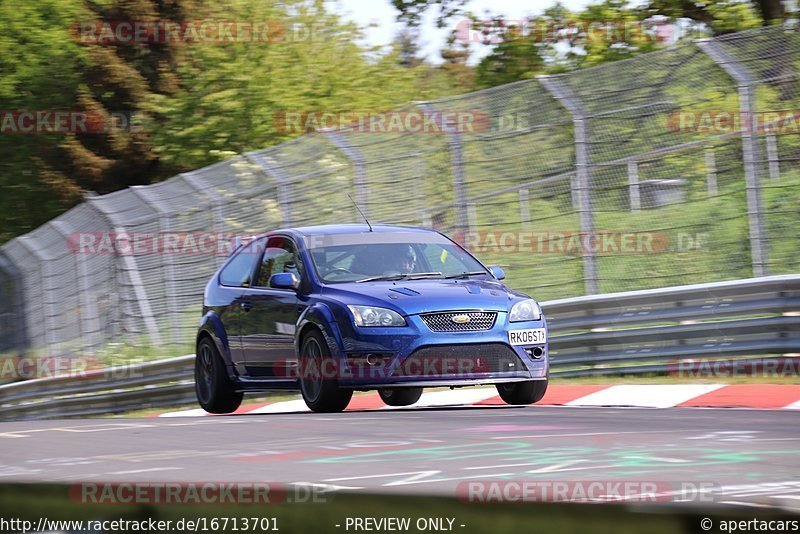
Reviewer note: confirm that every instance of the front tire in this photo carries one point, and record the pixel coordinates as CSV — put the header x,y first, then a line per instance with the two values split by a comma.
x,y
214,390
518,393
400,396
321,393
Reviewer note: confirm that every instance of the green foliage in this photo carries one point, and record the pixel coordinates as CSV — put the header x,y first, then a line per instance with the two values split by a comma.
x,y
234,97
38,63
196,103
411,11
510,61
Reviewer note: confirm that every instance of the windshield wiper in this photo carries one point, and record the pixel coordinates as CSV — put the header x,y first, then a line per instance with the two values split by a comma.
x,y
414,276
464,275
401,276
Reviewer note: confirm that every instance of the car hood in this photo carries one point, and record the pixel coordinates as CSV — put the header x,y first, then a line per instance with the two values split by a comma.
x,y
421,296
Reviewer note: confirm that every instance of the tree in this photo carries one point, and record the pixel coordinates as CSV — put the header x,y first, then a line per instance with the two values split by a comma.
x,y
515,57
411,11
722,16
407,44
461,77
118,80
38,60
239,95
719,16
195,103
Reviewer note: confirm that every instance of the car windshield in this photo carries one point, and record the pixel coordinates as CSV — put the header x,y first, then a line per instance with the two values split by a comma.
x,y
380,257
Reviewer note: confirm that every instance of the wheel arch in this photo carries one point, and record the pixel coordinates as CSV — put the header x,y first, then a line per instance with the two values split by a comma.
x,y
319,317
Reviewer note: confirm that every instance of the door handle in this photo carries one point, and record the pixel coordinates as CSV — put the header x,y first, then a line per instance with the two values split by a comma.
x,y
246,306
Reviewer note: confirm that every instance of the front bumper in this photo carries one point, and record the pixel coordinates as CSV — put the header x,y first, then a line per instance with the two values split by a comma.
x,y
414,355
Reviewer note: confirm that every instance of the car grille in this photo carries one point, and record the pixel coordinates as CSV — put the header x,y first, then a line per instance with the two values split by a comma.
x,y
443,322
462,360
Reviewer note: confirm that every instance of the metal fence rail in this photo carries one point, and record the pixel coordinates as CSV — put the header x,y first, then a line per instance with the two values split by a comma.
x,y
642,332
640,146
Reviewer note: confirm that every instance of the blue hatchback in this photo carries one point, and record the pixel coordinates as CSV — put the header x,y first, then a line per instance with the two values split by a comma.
x,y
333,309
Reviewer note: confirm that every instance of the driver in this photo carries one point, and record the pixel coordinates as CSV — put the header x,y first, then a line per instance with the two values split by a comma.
x,y
406,260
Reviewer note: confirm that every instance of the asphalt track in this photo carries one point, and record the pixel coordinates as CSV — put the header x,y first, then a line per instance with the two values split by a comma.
x,y
736,456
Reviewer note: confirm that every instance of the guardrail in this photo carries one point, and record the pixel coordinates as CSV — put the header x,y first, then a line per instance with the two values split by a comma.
x,y
641,332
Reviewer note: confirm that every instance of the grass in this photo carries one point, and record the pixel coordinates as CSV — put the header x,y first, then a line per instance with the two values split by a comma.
x,y
704,239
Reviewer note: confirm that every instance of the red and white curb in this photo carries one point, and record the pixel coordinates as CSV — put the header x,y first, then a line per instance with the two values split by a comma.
x,y
767,396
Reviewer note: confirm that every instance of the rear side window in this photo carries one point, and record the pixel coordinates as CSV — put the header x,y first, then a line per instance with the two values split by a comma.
x,y
239,270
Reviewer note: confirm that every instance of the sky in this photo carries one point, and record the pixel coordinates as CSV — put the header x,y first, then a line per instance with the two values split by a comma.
x,y
381,14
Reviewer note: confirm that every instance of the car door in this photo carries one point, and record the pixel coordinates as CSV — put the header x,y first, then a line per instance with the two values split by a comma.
x,y
234,279
271,314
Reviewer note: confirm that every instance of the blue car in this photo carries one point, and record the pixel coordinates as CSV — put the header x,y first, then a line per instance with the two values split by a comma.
x,y
330,310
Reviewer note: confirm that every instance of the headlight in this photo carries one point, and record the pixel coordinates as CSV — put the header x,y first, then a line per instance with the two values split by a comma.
x,y
526,310
371,316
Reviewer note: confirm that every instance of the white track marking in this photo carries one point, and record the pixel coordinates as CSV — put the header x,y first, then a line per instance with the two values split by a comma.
x,y
661,396
626,396
198,412
283,407
455,397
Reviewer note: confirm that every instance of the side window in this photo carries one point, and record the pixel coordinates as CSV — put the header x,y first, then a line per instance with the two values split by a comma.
x,y
239,270
280,256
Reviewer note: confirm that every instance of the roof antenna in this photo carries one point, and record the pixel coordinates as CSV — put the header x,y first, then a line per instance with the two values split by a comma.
x,y
359,211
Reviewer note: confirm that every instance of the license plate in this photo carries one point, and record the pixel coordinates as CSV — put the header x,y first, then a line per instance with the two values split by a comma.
x,y
532,336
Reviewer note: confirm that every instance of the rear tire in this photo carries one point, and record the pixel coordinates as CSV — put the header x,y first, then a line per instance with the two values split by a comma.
x,y
517,393
213,387
400,396
321,393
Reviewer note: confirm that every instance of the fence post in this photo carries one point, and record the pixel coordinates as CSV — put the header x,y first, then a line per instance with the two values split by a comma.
x,y
36,251
633,183
459,174
17,324
773,158
132,270
472,218
524,209
359,170
165,225
196,182
283,184
582,188
747,108
87,312
711,171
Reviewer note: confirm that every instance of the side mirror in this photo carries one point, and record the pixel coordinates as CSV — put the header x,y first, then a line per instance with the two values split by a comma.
x,y
284,281
497,272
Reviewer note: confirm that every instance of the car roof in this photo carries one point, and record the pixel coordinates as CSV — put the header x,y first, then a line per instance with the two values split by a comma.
x,y
338,229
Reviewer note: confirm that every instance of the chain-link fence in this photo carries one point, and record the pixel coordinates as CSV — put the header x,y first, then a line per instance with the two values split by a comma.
x,y
675,167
